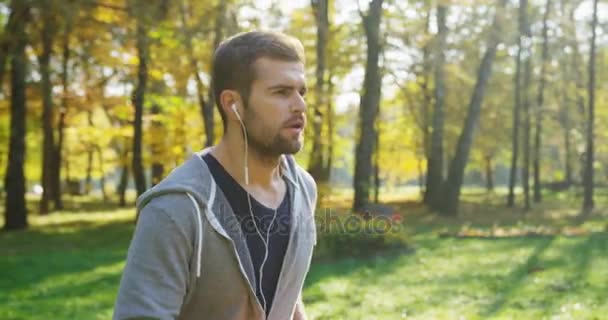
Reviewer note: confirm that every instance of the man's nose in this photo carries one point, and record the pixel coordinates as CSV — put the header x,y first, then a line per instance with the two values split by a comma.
x,y
298,103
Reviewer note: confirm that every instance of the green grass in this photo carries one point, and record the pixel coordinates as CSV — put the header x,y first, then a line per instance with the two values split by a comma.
x,y
68,265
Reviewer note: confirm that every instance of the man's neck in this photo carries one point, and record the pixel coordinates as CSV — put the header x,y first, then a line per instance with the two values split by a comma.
x,y
263,170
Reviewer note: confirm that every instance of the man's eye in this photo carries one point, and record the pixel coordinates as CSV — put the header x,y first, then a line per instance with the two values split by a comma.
x,y
283,92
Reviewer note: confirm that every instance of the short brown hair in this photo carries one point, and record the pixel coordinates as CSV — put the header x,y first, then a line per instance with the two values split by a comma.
x,y
234,58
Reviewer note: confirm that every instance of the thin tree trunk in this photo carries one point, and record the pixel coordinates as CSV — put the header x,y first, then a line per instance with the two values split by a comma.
x,y
588,173
315,167
435,163
205,104
427,68
527,56
88,186
330,130
458,164
516,124
57,194
368,110
564,117
138,102
540,104
47,37
124,179
578,80
489,173
421,178
200,87
102,179
377,165
15,211
157,148
209,105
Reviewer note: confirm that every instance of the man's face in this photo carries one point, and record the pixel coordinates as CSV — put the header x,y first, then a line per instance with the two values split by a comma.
x,y
275,115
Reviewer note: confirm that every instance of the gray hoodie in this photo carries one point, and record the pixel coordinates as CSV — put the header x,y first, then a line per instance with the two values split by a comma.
x,y
188,258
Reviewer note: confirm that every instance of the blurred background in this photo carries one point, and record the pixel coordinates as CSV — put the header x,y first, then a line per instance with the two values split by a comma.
x,y
462,143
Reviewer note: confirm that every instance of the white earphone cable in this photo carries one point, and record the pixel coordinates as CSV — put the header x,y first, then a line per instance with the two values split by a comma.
x,y
257,229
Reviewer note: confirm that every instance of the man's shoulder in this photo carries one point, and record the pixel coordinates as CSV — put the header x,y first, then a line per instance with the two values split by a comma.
x,y
307,180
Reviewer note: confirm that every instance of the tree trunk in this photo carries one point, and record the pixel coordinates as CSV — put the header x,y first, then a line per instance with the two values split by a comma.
x,y
457,166
15,211
368,109
330,130
427,95
56,177
377,165
527,56
138,102
315,166
427,66
157,148
516,124
489,174
123,182
540,104
588,173
420,178
205,105
88,185
564,119
47,37
209,105
578,78
435,163
6,42
102,179
200,87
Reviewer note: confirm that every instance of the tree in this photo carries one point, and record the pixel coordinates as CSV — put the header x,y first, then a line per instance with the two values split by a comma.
x,y
57,160
540,100
48,31
589,154
526,42
145,15
458,163
143,47
189,31
368,110
15,210
516,124
435,162
316,163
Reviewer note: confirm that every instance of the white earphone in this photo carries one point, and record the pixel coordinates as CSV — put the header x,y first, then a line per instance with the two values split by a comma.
x,y
236,112
257,229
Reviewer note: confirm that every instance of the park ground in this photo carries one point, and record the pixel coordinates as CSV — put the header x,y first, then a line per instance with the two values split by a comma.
x,y
488,263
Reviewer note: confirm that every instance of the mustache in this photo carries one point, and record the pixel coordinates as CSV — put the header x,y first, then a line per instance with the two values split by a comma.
x,y
298,120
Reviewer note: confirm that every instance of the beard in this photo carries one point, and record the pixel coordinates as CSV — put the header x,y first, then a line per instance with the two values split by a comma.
x,y
273,145
266,142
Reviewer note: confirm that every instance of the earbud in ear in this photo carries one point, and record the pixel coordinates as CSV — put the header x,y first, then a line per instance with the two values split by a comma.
x,y
236,112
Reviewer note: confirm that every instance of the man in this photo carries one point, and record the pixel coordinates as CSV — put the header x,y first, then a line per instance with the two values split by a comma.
x,y
229,234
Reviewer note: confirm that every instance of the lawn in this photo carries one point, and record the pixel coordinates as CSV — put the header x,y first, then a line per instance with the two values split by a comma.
x,y
68,265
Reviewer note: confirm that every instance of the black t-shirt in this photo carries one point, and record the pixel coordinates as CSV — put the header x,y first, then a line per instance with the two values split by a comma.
x,y
279,232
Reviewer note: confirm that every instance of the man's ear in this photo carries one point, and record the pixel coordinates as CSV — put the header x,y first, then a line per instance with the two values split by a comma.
x,y
228,98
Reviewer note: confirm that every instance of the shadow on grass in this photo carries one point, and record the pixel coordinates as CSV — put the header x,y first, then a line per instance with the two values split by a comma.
x,y
34,255
517,277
